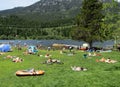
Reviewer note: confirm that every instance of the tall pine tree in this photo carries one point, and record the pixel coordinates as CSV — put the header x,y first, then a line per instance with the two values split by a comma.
x,y
89,21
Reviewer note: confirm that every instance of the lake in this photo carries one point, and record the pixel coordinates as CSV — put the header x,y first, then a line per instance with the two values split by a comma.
x,y
50,42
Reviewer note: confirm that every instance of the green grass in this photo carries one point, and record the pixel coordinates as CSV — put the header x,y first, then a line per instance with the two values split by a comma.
x,y
60,75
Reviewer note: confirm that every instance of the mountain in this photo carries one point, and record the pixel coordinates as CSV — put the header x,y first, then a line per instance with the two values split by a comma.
x,y
47,10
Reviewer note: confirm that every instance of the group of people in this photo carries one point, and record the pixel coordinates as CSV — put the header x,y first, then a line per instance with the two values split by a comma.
x,y
14,58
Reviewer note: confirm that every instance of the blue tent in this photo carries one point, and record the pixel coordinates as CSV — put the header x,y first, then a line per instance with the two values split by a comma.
x,y
5,47
32,49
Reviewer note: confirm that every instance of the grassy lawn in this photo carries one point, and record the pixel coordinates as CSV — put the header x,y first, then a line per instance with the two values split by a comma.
x,y
60,75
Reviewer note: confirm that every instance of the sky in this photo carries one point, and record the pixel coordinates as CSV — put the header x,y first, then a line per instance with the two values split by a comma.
x,y
9,4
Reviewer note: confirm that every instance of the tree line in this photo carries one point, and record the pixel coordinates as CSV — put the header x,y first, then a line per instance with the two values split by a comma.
x,y
14,27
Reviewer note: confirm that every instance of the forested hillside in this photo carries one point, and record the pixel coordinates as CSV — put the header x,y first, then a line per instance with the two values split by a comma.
x,y
13,27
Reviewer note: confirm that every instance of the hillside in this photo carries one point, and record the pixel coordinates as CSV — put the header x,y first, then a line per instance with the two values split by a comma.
x,y
47,10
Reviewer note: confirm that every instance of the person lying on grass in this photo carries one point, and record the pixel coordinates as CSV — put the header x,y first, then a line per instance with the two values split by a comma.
x,y
108,60
94,54
16,60
77,68
51,61
1,53
9,57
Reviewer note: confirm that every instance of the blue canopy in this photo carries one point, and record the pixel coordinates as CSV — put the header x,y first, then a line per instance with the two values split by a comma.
x,y
5,47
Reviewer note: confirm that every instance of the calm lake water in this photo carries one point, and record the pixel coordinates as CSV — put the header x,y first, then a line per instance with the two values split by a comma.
x,y
50,42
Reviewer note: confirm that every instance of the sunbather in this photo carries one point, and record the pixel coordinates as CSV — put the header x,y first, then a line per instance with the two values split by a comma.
x,y
110,61
9,56
16,60
51,61
106,60
78,68
94,54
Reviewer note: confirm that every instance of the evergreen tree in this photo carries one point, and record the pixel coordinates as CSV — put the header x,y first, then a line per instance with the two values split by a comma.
x,y
89,21
111,19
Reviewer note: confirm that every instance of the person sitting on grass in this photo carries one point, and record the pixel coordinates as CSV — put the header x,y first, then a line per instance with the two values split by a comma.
x,y
32,71
49,61
47,56
102,59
